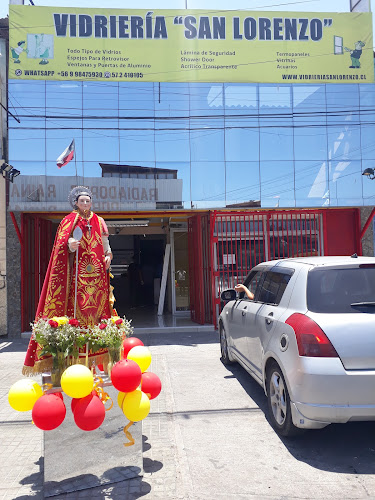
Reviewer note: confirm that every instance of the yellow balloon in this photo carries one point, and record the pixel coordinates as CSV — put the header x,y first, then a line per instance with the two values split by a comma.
x,y
77,381
136,406
120,398
23,395
141,355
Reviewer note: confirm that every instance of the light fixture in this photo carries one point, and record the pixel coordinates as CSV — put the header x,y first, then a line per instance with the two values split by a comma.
x,y
13,173
5,167
8,172
369,172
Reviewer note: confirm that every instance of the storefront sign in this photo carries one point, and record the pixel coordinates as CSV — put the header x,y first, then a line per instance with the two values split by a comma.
x,y
63,43
50,193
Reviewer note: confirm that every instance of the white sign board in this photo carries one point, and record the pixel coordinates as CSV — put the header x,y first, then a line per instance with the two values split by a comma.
x,y
36,193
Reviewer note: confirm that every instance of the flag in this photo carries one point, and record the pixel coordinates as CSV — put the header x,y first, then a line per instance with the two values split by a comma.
x,y
66,156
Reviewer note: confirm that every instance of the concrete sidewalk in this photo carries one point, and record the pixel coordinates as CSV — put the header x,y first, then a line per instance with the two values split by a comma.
x,y
207,438
22,442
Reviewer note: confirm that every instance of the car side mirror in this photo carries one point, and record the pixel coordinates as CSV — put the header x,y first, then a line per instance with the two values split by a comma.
x,y
227,295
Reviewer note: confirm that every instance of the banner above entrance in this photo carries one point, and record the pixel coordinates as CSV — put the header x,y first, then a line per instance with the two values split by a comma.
x,y
39,193
48,43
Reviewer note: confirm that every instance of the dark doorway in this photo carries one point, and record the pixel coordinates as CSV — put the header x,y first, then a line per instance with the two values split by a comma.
x,y
137,268
151,266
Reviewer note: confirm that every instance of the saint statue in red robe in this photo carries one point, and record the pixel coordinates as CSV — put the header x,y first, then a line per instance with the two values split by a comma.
x,y
59,294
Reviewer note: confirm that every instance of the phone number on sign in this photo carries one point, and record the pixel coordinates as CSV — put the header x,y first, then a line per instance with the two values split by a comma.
x,y
99,74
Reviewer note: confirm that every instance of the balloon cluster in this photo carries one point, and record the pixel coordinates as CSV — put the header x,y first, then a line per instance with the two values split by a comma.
x,y
136,388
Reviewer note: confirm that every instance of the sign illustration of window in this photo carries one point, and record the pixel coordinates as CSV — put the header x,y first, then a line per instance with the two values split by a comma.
x,y
40,46
339,44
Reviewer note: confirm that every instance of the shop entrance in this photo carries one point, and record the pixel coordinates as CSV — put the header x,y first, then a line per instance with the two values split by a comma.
x,y
151,270
137,269
139,248
207,253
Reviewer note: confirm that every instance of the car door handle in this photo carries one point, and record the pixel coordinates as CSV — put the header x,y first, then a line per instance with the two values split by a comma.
x,y
243,311
269,318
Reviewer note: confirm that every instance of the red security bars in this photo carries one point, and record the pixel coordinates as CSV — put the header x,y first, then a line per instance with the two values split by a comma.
x,y
237,244
240,240
295,235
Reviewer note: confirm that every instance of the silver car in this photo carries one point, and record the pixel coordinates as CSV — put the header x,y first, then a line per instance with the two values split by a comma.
x,y
308,337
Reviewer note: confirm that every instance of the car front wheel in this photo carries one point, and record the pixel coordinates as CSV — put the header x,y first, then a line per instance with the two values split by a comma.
x,y
224,347
279,403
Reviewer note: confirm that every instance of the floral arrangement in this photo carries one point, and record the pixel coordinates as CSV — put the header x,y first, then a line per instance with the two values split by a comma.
x,y
111,332
65,335
59,335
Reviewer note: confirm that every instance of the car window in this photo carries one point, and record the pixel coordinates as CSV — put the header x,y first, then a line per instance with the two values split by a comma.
x,y
252,282
273,286
335,290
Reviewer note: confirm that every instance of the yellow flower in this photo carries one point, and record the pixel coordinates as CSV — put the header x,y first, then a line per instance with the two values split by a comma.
x,y
114,319
61,320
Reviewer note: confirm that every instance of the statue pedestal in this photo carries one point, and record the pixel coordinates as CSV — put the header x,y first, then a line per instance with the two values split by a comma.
x,y
76,460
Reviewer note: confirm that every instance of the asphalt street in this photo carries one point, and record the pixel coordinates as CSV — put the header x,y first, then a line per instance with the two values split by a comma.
x,y
207,437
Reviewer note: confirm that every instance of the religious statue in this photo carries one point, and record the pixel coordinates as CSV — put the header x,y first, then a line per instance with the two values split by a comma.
x,y
77,279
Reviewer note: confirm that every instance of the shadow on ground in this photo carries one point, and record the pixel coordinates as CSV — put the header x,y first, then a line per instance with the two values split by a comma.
x,y
343,448
149,339
135,487
35,482
8,345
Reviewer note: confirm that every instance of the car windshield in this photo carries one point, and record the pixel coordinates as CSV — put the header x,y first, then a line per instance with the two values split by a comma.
x,y
341,290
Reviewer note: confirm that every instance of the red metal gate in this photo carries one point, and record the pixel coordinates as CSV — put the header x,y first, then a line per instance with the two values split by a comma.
x,y
37,240
240,240
200,268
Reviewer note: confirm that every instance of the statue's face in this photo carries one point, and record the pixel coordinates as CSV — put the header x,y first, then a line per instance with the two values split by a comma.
x,y
84,203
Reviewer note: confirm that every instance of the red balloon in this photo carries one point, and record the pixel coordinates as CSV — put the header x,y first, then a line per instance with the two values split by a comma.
x,y
48,412
75,401
150,384
89,413
126,375
59,395
129,343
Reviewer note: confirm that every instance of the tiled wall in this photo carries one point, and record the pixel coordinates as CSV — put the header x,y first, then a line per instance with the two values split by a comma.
x,y
13,258
3,283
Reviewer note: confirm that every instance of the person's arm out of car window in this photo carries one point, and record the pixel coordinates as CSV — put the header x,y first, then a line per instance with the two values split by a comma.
x,y
243,288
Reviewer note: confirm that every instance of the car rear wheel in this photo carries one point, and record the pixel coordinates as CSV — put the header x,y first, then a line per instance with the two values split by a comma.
x,y
224,347
280,414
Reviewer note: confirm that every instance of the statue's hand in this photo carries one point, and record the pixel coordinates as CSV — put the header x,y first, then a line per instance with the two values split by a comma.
x,y
107,261
73,245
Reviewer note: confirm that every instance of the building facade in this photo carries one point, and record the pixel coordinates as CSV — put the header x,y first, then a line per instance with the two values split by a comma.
x,y
214,176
